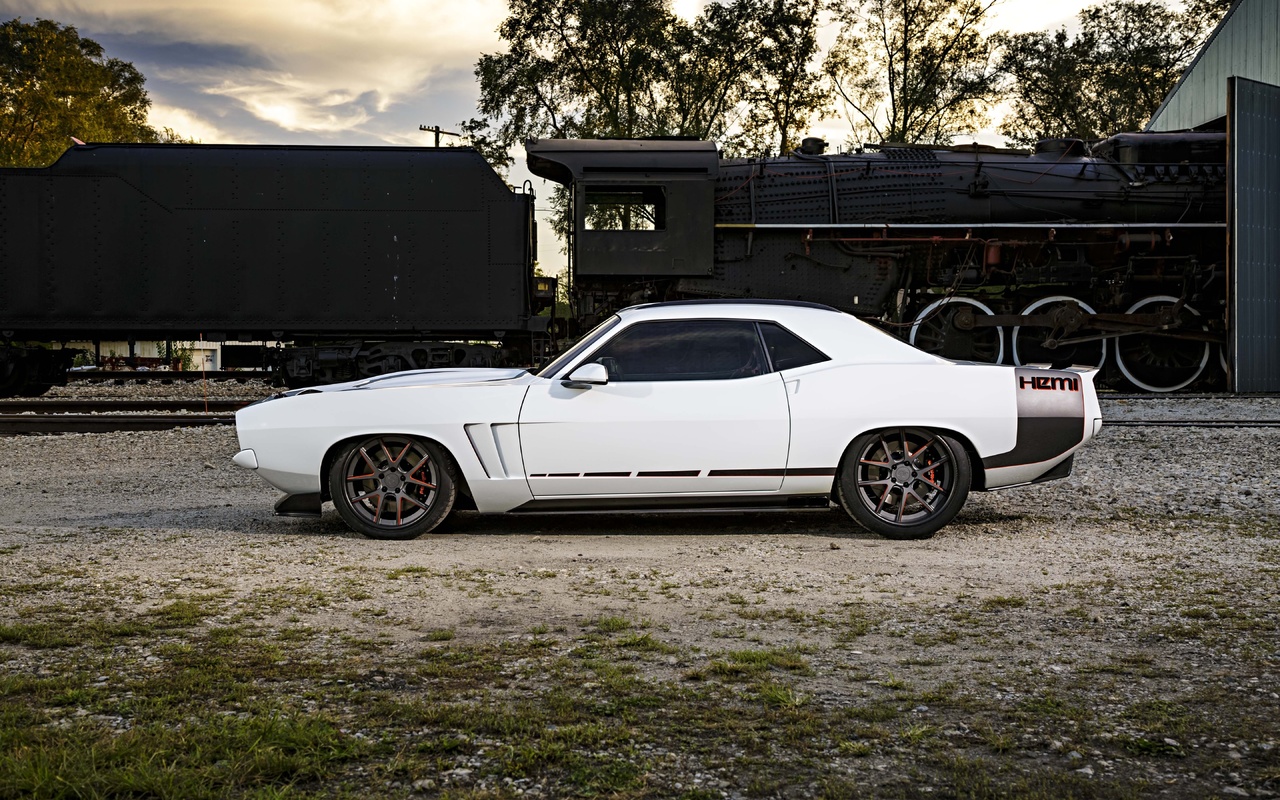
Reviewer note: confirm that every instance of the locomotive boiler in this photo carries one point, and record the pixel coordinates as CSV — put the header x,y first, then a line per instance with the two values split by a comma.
x,y
1111,255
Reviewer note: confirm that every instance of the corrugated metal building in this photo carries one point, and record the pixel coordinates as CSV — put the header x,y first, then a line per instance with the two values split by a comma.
x,y
1234,83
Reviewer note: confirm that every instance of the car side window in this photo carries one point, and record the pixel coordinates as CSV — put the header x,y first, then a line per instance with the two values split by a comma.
x,y
786,350
684,350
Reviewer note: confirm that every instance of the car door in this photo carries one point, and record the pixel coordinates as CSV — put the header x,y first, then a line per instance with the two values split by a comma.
x,y
690,407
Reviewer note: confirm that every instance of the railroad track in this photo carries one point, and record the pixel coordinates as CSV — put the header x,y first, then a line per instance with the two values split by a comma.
x,y
98,406
73,415
1107,395
16,424
1190,423
100,375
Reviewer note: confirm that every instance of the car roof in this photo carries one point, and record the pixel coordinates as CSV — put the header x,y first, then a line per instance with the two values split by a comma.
x,y
722,301
841,336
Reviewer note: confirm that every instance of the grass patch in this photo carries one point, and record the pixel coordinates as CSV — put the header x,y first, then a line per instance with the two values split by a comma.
x,y
1000,603
743,664
612,625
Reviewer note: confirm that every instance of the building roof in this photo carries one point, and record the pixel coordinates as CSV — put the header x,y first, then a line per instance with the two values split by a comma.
x,y
1243,45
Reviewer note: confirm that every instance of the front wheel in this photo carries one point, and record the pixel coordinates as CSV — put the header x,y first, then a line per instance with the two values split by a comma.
x,y
393,487
904,483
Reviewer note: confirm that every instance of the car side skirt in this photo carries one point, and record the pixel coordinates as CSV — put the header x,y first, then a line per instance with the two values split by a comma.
x,y
651,504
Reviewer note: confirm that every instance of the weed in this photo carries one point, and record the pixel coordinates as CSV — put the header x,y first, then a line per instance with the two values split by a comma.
x,y
612,625
778,695
1000,602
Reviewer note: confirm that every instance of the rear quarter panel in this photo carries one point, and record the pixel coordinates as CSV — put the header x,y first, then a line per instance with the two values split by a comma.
x,y
832,405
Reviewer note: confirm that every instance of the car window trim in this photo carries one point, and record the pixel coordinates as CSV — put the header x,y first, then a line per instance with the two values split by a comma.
x,y
594,335
798,337
755,323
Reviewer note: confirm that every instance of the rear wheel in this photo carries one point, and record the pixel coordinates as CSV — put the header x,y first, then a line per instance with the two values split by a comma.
x,y
904,483
393,487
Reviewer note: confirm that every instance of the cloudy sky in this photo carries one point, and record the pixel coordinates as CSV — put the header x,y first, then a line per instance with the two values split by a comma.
x,y
326,71
335,71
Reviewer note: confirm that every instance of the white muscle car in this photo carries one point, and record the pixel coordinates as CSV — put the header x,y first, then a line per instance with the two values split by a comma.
x,y
685,405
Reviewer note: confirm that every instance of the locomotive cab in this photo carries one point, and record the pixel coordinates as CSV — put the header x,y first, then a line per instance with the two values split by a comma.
x,y
641,207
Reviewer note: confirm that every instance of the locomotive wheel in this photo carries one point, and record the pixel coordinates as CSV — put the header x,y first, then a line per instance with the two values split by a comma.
x,y
393,487
1162,363
34,389
13,378
904,483
1028,341
934,331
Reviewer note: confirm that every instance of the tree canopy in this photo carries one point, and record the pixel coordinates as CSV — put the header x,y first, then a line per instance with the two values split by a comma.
x,y
748,73
1109,77
55,84
914,71
629,68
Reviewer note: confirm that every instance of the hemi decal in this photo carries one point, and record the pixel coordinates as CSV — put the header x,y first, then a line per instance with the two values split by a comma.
x,y
1050,382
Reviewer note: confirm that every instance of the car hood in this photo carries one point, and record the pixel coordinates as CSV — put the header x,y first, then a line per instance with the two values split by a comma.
x,y
422,377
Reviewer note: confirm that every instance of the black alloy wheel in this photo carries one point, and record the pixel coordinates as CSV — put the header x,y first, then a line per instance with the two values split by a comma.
x,y
904,483
393,487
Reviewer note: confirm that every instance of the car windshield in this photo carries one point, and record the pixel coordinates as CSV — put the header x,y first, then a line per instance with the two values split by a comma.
x,y
573,352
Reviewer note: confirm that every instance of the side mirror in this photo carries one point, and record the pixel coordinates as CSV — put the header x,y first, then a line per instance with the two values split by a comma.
x,y
586,376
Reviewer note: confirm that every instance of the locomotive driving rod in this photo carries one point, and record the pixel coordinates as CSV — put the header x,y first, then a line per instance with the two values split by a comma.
x,y
1114,324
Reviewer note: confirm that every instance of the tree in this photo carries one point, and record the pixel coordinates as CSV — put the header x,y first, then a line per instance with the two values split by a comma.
x,y
1110,77
784,93
913,71
54,84
631,68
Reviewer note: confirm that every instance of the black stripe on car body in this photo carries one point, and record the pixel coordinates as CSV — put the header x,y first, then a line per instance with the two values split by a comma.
x,y
1050,417
693,473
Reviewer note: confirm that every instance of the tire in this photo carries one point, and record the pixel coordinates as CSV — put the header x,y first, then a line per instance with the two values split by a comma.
x,y
392,486
904,483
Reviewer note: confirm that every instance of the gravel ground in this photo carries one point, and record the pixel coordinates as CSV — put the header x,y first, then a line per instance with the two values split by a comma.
x,y
184,390
1147,577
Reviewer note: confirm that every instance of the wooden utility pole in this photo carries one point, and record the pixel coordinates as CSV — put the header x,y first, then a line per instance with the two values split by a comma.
x,y
436,130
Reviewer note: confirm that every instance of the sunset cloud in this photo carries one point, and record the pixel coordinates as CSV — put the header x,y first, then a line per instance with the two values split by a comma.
x,y
280,71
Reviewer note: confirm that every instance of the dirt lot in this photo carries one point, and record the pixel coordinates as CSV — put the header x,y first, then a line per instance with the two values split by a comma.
x,y
1112,635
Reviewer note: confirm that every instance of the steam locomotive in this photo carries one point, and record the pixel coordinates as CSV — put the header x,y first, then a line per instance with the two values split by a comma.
x,y
1106,255
369,260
